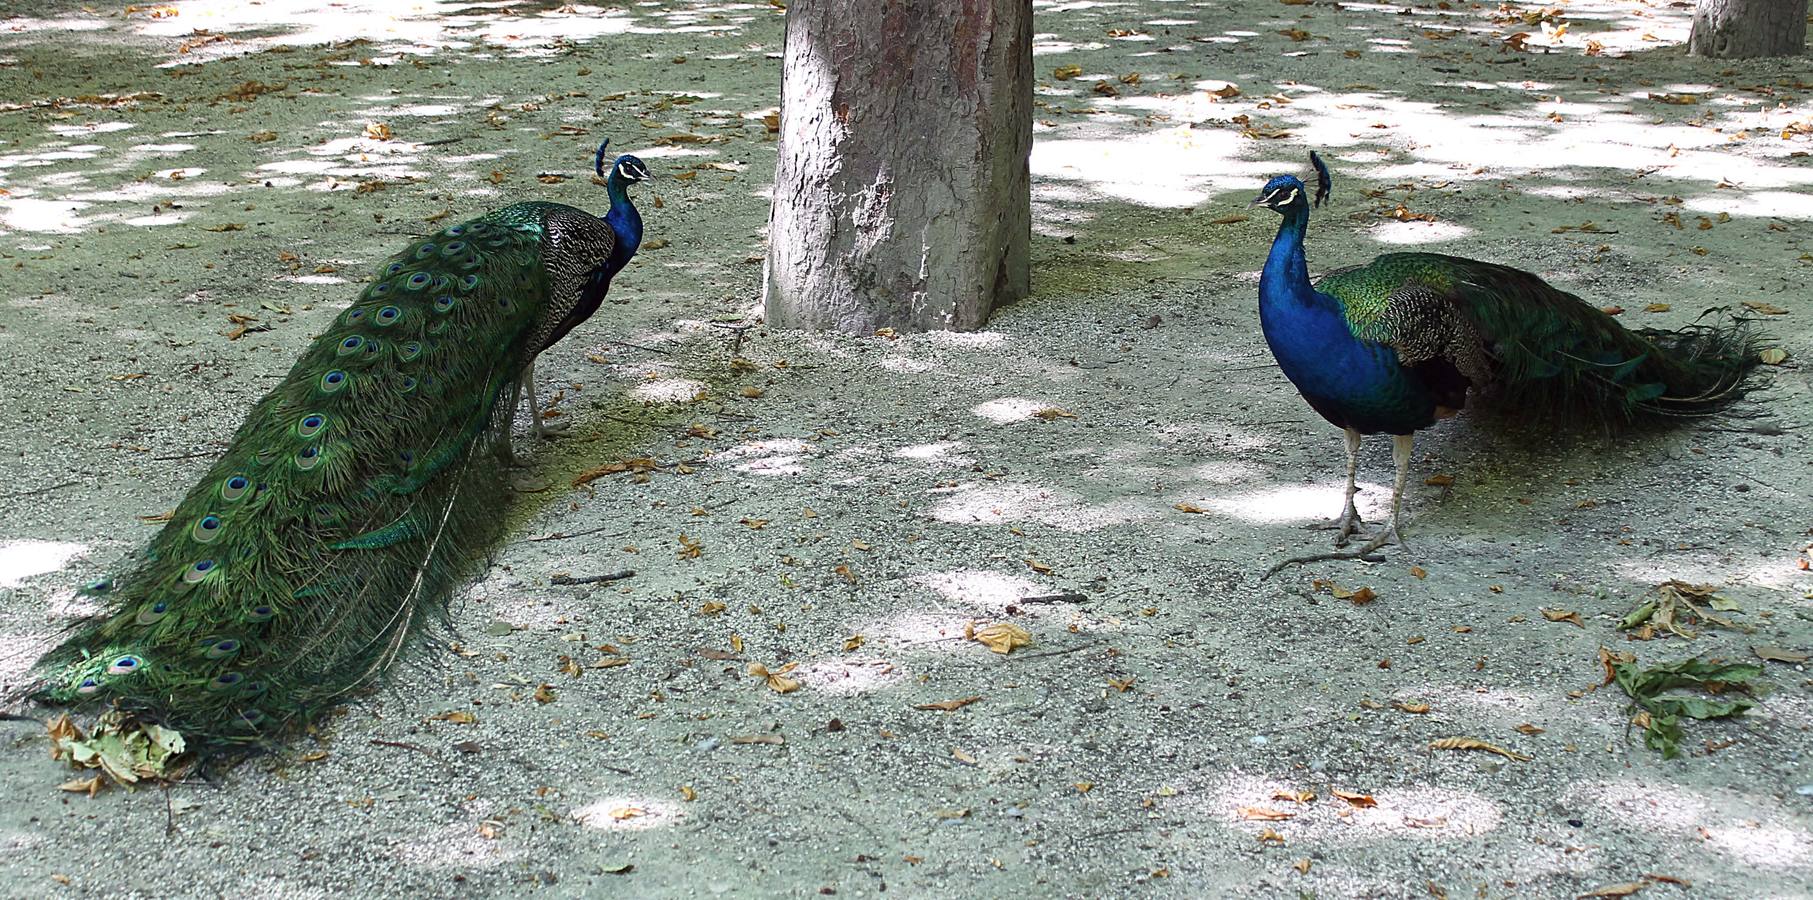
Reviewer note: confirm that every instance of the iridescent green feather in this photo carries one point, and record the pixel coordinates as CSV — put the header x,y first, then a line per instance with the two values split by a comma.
x,y
319,542
1537,349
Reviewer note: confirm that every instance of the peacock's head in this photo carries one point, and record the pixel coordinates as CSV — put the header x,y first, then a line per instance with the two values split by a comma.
x,y
625,169
630,169
1283,191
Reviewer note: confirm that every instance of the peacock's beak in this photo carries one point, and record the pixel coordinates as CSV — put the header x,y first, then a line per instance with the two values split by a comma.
x,y
1257,201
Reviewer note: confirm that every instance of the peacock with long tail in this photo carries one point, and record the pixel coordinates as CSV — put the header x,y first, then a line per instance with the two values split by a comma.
x,y
1394,345
356,493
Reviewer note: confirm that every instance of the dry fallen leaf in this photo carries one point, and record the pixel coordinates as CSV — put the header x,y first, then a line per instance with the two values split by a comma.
x,y
1263,814
1188,507
777,679
1268,836
1363,801
1467,743
1411,706
1563,615
1001,637
1779,654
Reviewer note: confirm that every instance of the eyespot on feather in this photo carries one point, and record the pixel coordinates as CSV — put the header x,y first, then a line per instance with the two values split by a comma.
x,y
206,529
152,614
125,665
308,458
234,488
198,571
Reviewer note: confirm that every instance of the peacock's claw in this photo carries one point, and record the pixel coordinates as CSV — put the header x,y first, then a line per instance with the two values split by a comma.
x,y
1346,528
546,430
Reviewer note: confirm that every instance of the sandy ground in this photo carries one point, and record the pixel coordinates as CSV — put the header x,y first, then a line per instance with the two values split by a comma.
x,y
227,161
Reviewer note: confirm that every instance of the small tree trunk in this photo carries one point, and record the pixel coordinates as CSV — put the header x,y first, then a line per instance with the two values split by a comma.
x,y
902,193
1740,29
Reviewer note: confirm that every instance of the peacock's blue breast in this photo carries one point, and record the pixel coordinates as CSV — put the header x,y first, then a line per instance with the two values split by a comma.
x,y
1352,383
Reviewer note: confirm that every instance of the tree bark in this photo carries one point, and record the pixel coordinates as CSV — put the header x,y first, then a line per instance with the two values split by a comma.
x,y
902,192
1740,29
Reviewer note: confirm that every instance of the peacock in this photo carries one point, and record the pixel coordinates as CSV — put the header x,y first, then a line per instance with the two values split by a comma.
x,y
356,492
1398,343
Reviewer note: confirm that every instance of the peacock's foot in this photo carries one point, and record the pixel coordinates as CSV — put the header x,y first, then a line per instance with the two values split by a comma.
x,y
546,430
1348,526
506,453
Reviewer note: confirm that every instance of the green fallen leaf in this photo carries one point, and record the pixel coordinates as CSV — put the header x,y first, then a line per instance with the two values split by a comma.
x,y
1647,688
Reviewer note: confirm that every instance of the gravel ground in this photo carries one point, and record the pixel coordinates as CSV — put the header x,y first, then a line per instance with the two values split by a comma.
x,y
857,503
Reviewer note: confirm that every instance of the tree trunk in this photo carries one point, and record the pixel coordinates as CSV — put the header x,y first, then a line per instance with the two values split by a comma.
x,y
902,193
1740,29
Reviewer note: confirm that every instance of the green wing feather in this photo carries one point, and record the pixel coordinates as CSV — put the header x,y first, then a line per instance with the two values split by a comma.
x,y
341,515
1535,348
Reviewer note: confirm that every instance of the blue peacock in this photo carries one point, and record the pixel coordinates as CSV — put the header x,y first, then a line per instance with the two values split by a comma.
x,y
1398,343
356,493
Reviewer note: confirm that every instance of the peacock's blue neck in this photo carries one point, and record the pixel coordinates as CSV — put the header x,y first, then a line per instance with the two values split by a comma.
x,y
625,221
1285,278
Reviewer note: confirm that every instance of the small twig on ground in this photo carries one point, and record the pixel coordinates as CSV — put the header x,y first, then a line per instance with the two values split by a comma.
x,y
648,349
564,579
404,745
1055,598
1066,650
43,490
1361,554
561,536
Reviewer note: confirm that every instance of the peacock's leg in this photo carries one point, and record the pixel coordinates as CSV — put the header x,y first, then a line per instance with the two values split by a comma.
x,y
502,446
1350,523
1400,454
537,424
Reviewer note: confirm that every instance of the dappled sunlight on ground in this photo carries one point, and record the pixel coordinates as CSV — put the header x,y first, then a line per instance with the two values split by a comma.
x,y
1010,502
24,559
980,591
459,846
629,813
849,676
1007,410
1295,503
